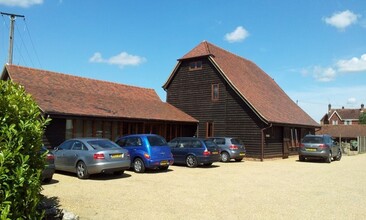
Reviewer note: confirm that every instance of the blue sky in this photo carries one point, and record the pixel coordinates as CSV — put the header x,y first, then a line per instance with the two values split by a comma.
x,y
314,50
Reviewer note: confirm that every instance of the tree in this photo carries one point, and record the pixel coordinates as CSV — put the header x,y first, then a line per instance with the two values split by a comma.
x,y
21,130
362,118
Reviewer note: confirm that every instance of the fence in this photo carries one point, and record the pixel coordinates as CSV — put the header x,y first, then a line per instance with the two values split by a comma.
x,y
361,144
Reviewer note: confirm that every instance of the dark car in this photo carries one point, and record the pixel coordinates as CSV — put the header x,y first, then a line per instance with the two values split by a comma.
x,y
319,146
49,168
147,151
193,151
231,148
85,156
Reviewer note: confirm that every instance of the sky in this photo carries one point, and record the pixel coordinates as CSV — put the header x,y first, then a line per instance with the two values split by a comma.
x,y
314,50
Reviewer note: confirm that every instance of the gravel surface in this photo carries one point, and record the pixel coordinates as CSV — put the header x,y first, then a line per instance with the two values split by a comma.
x,y
273,189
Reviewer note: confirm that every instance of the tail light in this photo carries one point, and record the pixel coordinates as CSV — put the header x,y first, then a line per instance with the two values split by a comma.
x,y
206,153
98,156
233,147
322,146
147,156
50,157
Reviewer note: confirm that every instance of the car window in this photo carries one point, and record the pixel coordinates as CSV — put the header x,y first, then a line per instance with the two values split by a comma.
x,y
66,145
102,144
196,144
77,146
220,140
133,141
209,143
121,142
173,143
156,141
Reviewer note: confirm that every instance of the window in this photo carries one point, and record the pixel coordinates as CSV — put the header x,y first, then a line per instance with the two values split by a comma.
x,y
348,122
215,92
69,129
335,122
209,129
197,65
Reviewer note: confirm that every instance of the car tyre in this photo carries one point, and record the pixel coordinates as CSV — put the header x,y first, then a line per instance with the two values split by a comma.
x,y
339,156
191,161
138,166
301,158
329,158
225,157
82,170
239,159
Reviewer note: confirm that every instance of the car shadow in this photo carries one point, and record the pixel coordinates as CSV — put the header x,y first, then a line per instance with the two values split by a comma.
x,y
152,171
199,166
311,161
100,176
53,181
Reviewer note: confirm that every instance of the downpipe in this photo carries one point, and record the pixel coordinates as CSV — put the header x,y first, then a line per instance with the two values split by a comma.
x,y
262,147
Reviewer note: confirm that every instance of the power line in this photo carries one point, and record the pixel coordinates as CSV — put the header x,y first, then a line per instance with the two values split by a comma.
x,y
34,48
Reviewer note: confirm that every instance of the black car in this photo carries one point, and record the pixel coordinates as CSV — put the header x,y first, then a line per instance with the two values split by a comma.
x,y
193,151
319,146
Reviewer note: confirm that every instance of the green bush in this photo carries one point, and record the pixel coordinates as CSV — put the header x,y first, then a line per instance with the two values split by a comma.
x,y
21,130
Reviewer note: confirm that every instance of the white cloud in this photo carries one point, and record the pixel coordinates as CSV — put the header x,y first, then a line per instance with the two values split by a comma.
x,y
21,3
238,35
121,60
341,20
352,101
324,74
352,65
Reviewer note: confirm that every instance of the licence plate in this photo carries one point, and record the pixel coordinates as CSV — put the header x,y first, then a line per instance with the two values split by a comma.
x,y
215,152
310,149
163,163
242,154
116,156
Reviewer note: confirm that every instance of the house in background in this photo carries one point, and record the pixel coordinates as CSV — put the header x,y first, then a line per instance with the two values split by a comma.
x,y
82,107
232,96
342,116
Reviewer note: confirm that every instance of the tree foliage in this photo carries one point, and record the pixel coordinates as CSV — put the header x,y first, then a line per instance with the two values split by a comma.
x,y
21,165
363,118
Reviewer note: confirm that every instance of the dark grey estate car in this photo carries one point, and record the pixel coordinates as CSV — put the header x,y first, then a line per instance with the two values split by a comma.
x,y
231,148
319,146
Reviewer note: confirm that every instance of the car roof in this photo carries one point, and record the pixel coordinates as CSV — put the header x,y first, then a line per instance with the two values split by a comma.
x,y
88,139
139,135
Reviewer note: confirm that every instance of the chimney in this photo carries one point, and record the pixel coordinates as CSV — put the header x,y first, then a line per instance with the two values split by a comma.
x,y
362,106
342,107
329,107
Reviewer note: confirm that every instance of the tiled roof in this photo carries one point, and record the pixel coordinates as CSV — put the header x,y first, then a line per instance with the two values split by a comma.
x,y
346,114
58,93
349,131
253,85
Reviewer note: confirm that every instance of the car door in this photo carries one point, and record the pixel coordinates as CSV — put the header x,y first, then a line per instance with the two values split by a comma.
x,y
74,154
181,150
61,153
132,144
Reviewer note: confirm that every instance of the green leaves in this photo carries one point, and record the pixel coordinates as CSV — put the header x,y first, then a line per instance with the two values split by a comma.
x,y
21,131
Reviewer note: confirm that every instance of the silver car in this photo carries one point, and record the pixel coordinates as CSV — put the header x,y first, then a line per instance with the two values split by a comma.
x,y
319,146
231,148
85,156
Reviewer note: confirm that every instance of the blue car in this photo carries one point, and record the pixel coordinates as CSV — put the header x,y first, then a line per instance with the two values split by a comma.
x,y
147,151
193,151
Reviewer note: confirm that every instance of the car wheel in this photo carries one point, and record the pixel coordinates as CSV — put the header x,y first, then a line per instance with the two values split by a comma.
x,y
138,166
191,161
82,170
239,159
225,157
329,158
118,173
339,156
301,158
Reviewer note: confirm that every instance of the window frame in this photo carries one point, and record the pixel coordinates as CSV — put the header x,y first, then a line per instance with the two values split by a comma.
x,y
195,65
215,92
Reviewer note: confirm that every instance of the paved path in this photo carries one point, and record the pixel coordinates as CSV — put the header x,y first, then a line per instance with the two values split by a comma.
x,y
273,189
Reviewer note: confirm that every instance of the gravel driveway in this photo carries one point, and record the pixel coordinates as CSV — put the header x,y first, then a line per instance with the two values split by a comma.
x,y
273,189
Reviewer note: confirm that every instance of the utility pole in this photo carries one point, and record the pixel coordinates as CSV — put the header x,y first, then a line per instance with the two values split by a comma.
x,y
11,34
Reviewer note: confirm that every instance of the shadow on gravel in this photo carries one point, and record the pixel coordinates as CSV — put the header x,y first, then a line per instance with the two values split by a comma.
x,y
100,176
51,206
312,161
199,166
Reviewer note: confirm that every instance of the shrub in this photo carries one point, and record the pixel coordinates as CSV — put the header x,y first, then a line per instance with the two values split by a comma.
x,y
21,130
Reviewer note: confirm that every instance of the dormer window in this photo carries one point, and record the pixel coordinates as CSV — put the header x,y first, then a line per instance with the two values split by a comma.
x,y
196,65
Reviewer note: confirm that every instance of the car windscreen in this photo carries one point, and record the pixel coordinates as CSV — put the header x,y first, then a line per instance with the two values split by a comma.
x,y
156,141
312,140
210,143
102,144
236,141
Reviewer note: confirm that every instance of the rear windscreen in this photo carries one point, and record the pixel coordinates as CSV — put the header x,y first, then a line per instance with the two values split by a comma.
x,y
235,141
103,144
210,143
156,141
312,140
